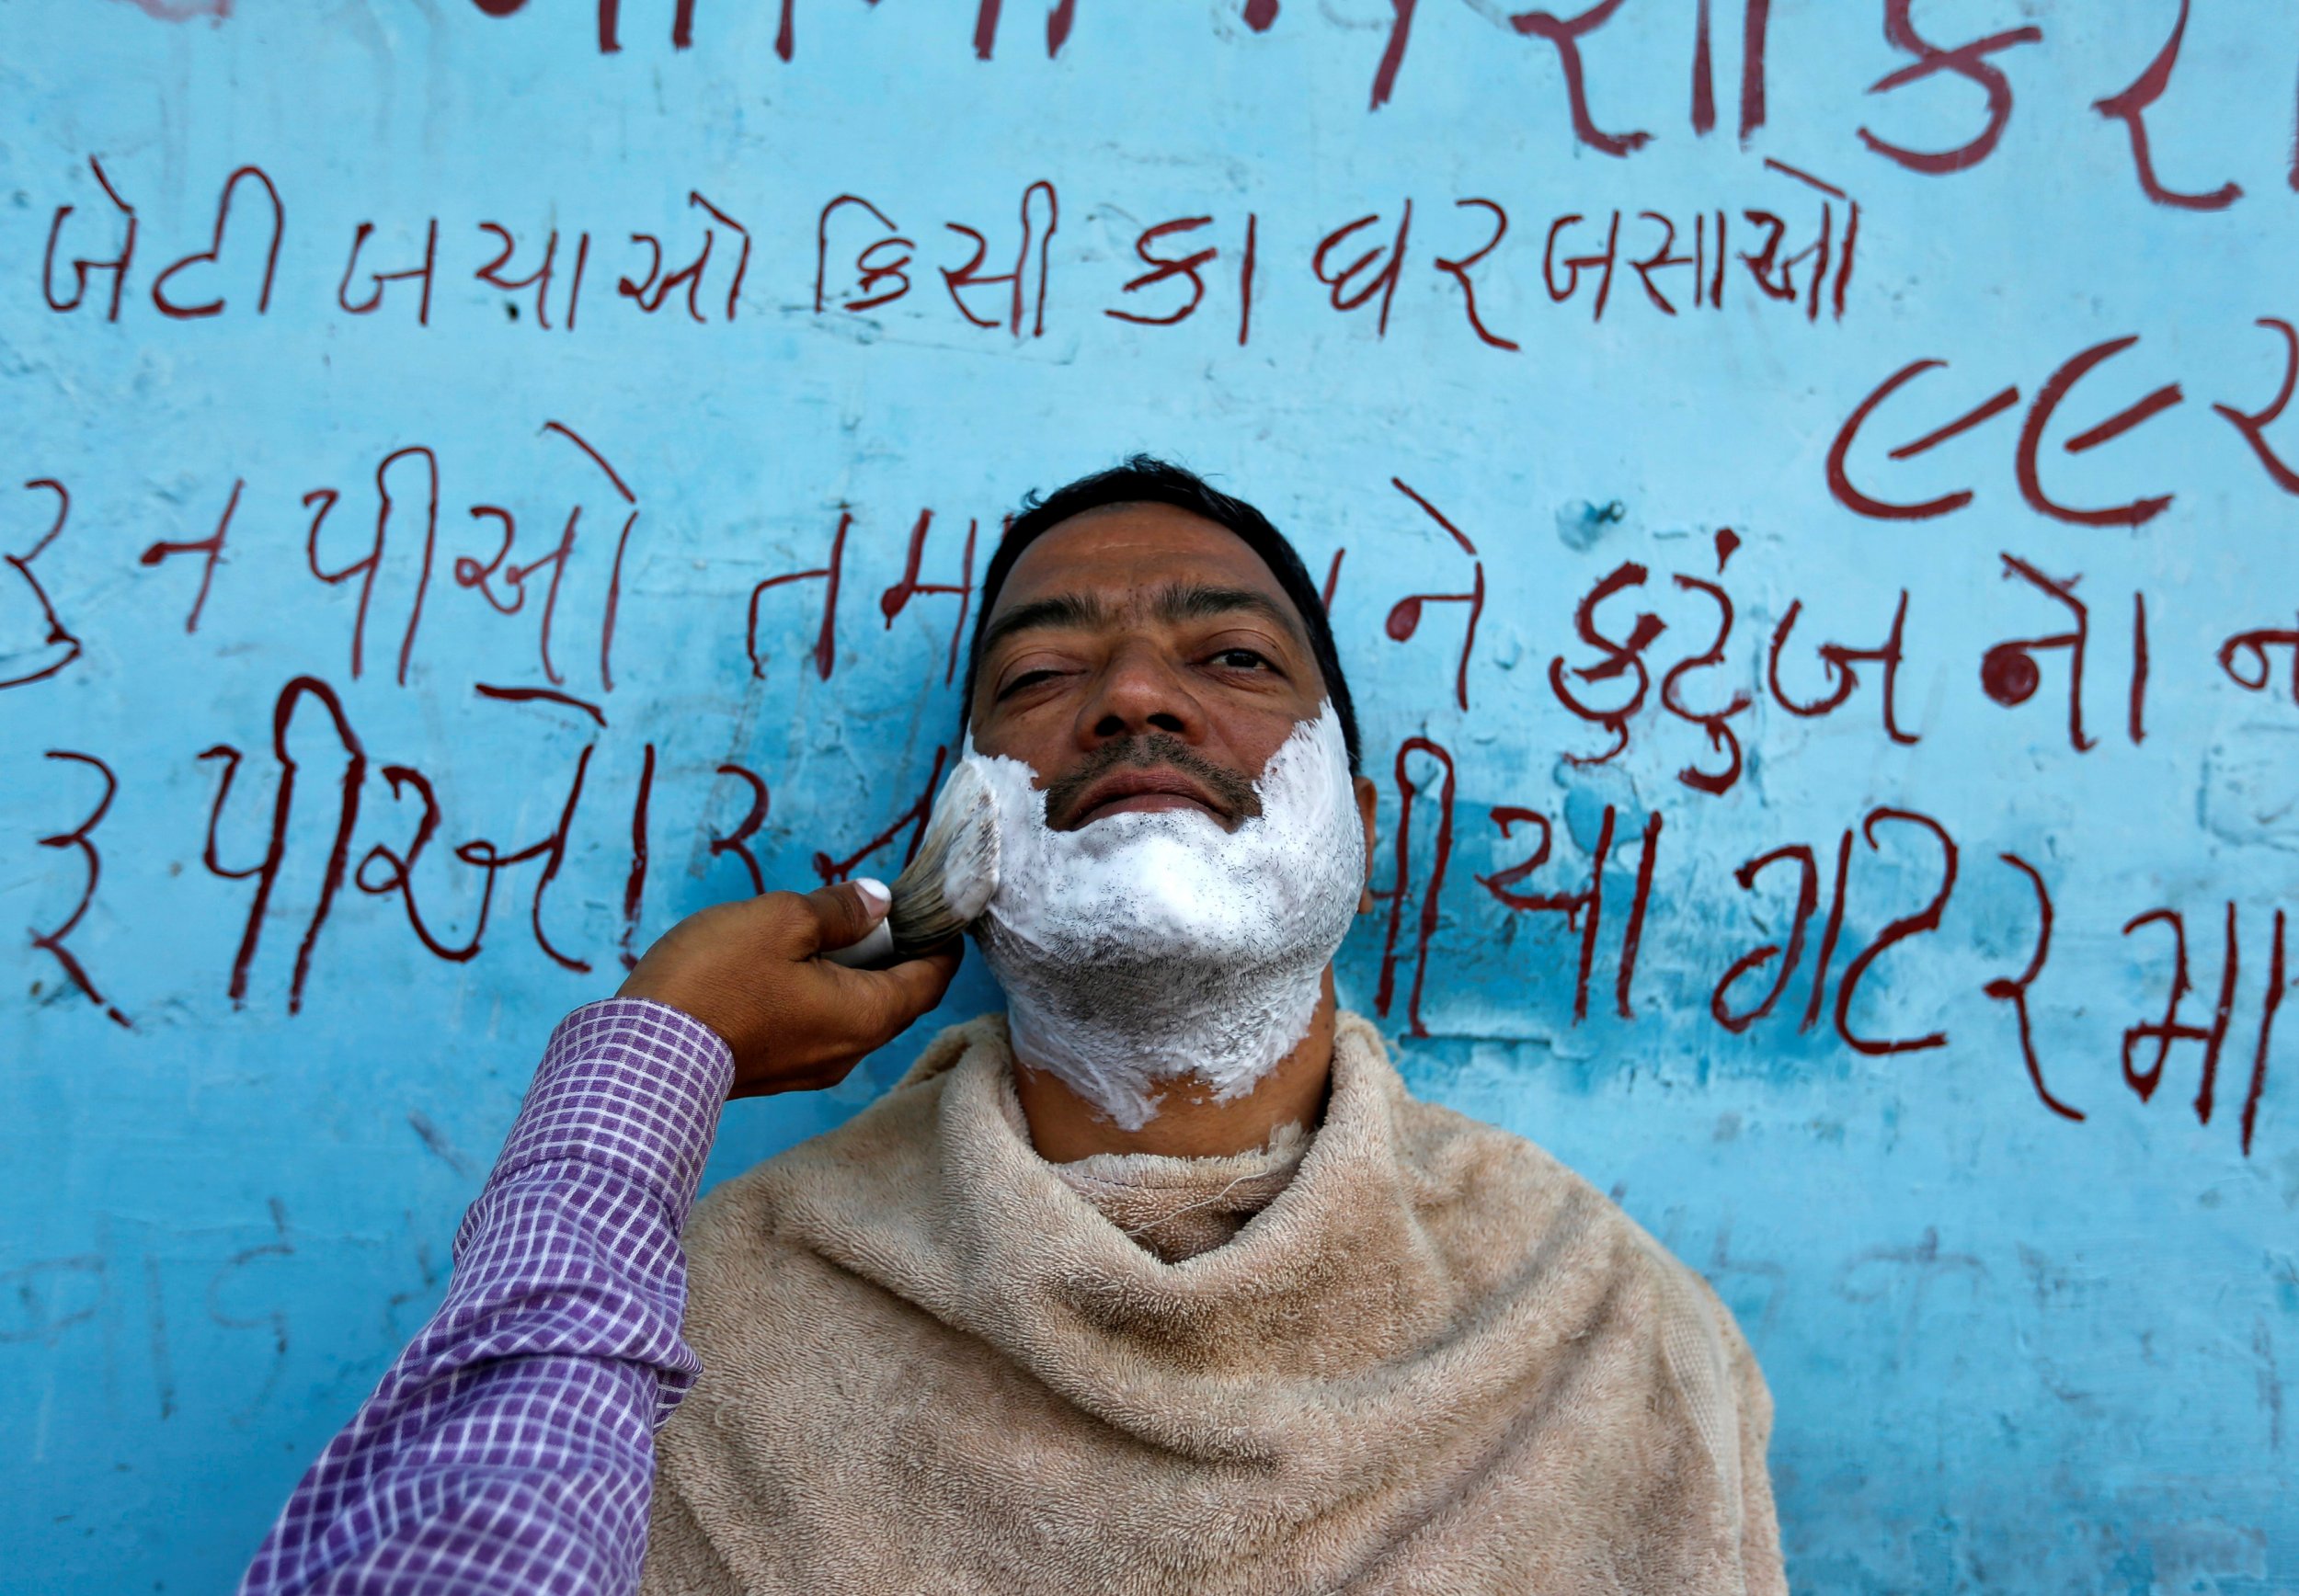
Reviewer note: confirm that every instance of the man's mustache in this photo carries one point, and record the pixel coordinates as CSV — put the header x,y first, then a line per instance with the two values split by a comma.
x,y
1234,793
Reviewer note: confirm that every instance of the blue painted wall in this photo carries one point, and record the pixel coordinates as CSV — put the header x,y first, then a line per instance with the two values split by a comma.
x,y
2029,1318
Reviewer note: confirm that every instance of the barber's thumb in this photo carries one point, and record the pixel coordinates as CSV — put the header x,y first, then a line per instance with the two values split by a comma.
x,y
849,913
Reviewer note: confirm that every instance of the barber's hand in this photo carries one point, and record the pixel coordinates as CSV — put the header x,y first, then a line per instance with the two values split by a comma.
x,y
796,1022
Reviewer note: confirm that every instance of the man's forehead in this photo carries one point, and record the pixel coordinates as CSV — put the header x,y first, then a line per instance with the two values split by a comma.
x,y
1127,554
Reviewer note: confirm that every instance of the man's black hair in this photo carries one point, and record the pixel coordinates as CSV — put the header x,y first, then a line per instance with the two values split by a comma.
x,y
1144,480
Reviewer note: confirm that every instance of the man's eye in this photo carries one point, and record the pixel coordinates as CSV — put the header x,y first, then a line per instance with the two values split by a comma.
x,y
1027,678
1239,658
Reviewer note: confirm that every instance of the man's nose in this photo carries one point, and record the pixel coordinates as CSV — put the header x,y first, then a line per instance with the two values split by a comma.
x,y
1140,691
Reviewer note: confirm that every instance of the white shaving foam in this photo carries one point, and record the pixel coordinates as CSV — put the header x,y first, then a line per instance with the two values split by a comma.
x,y
1149,947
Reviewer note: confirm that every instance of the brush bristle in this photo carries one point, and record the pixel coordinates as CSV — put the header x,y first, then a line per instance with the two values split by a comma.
x,y
954,872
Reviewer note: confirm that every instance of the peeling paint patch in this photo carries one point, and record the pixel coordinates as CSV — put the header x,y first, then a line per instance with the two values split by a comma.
x,y
1580,524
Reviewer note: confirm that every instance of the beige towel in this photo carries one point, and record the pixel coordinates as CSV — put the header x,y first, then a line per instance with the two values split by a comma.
x,y
1435,1361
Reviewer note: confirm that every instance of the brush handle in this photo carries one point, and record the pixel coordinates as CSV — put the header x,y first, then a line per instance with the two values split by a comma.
x,y
873,950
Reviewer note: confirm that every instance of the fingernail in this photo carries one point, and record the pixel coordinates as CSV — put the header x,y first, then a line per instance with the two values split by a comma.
x,y
880,896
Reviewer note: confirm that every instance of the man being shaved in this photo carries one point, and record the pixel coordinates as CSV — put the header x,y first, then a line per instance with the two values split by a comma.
x,y
1159,1281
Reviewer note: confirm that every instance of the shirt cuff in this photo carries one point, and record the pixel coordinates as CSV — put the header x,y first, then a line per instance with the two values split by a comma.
x,y
629,1085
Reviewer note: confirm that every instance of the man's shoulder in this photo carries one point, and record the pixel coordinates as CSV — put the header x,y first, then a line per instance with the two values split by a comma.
x,y
1486,1191
884,1150
1490,1178
1456,1159
1516,1224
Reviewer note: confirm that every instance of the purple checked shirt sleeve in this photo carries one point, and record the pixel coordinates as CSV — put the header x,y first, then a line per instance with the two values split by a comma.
x,y
511,1446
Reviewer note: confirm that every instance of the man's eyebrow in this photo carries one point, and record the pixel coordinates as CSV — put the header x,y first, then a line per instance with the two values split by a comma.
x,y
1073,610
1177,601
1195,601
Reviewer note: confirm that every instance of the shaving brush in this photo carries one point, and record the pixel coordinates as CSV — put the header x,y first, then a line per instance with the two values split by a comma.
x,y
948,883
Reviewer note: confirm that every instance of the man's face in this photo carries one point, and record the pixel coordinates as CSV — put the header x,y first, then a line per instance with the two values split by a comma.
x,y
1141,657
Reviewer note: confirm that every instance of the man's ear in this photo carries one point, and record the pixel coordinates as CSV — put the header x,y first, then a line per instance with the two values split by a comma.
x,y
1369,803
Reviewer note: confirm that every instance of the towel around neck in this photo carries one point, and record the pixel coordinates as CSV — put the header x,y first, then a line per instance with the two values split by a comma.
x,y
1417,1355
1181,1207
